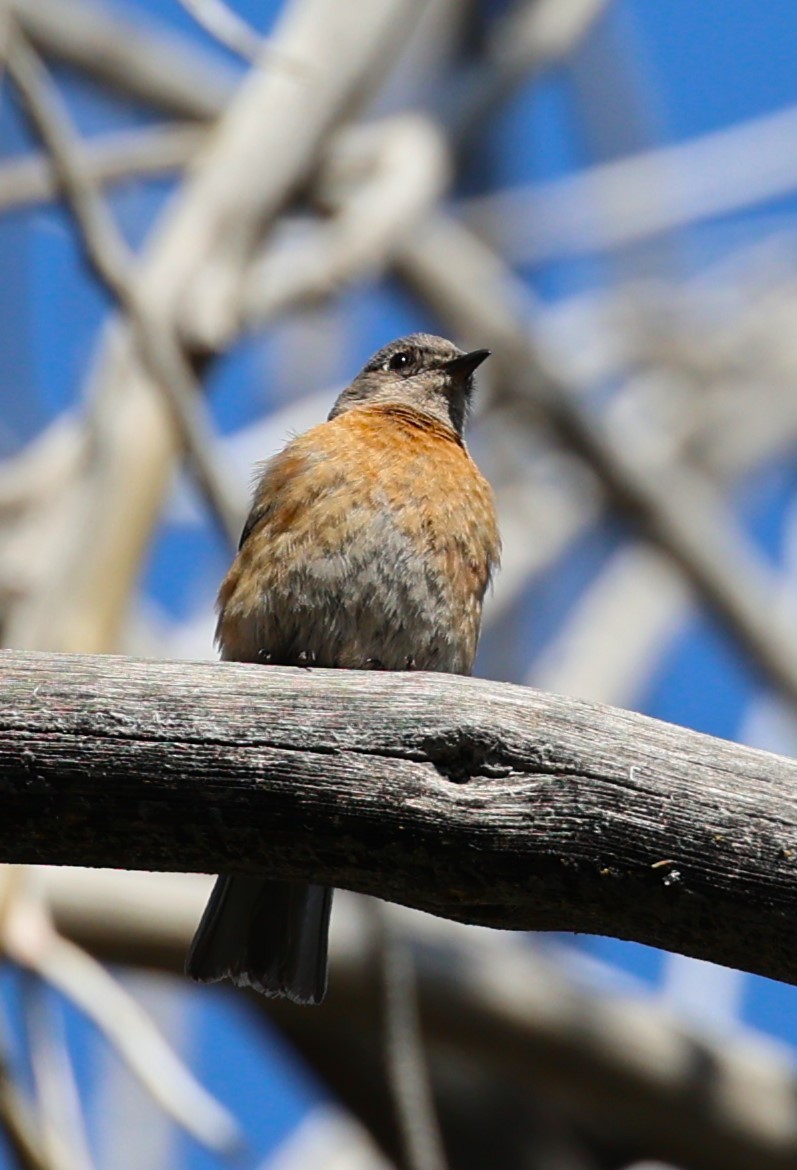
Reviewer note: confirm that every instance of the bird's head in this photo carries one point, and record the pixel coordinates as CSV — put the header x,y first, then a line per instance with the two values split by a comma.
x,y
421,371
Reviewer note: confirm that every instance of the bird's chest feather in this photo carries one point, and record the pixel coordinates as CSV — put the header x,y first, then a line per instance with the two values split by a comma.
x,y
371,537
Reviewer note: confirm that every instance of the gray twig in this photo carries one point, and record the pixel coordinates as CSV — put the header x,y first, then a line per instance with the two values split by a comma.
x,y
132,154
675,504
111,261
59,1111
18,1123
230,30
512,1012
407,1069
29,938
139,57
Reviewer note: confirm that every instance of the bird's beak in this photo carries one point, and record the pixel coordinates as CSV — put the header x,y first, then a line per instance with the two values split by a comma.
x,y
466,363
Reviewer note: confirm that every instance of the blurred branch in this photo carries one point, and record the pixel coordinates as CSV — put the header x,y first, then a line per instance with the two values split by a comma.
x,y
615,632
532,36
140,57
329,1136
34,487
616,1061
29,938
620,1056
544,510
377,181
310,110
5,31
109,257
478,801
226,26
673,503
712,383
263,148
59,1111
18,1125
712,361
407,1068
131,154
627,201
536,34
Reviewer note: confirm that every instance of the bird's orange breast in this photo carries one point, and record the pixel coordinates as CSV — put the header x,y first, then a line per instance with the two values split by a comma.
x,y
381,513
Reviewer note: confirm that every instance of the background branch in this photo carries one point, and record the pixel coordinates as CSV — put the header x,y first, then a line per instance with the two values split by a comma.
x,y
110,259
236,189
675,505
29,938
111,158
616,1060
228,28
141,58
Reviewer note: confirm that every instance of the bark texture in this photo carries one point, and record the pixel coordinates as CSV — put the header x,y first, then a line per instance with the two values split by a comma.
x,y
477,801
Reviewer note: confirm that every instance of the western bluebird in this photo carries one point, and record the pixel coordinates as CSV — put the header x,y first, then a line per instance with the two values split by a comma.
x,y
370,545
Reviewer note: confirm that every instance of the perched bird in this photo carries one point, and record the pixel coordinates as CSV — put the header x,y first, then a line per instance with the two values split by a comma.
x,y
370,545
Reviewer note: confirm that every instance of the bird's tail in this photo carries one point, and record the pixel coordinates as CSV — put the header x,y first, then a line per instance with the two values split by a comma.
x,y
264,934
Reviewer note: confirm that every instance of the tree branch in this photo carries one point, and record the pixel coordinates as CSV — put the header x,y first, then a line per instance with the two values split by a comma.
x,y
514,1014
481,802
107,254
142,153
137,57
227,27
262,150
673,503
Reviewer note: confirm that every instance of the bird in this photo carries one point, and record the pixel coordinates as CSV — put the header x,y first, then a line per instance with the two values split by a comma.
x,y
370,544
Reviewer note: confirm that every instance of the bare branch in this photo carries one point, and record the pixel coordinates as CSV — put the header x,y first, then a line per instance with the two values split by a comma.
x,y
5,32
60,1114
18,1121
138,57
407,1067
481,802
103,244
18,1124
262,149
676,506
143,153
228,28
526,1015
617,629
532,36
28,937
378,181
310,107
539,33
632,199
108,255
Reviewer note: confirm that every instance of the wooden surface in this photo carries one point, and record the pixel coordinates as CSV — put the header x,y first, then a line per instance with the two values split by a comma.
x,y
478,801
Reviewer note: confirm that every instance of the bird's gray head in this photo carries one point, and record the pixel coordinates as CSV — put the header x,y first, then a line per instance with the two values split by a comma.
x,y
421,371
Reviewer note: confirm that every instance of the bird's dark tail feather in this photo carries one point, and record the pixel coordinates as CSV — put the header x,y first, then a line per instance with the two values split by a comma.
x,y
264,934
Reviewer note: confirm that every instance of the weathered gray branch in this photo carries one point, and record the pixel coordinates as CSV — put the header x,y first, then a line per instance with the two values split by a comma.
x,y
145,152
675,504
106,251
481,802
263,148
511,1013
139,57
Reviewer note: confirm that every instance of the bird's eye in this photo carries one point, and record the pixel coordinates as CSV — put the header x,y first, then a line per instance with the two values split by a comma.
x,y
399,361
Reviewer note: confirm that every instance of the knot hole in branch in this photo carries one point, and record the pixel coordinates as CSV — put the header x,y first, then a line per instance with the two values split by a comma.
x,y
462,754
